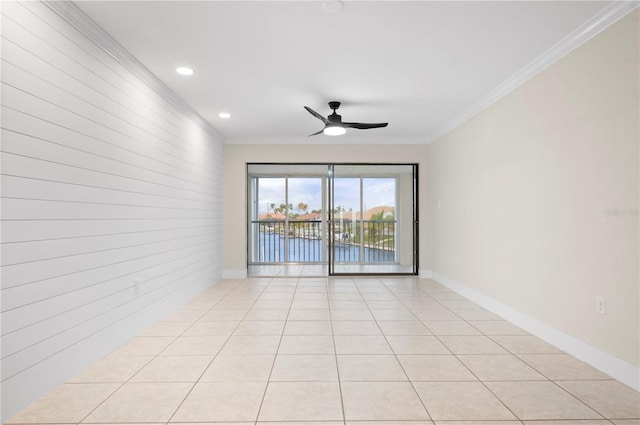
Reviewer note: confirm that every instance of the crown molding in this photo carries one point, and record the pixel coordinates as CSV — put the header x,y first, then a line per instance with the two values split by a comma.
x,y
327,140
605,18
79,20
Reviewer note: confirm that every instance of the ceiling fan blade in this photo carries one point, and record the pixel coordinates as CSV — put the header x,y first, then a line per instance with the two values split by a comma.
x,y
364,126
317,132
317,115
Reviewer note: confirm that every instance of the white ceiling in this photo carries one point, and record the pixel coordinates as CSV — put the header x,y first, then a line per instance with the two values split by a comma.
x,y
418,65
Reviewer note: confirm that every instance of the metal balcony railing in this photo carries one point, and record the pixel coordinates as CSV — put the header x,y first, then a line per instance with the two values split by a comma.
x,y
292,241
376,245
368,241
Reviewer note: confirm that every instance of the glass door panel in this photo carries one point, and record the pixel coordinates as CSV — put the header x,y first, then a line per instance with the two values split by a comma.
x,y
372,219
378,220
346,225
267,225
286,214
304,221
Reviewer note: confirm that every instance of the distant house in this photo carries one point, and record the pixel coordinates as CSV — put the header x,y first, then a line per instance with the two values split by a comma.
x,y
387,212
271,216
309,217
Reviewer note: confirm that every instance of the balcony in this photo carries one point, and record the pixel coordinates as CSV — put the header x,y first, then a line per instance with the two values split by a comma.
x,y
295,241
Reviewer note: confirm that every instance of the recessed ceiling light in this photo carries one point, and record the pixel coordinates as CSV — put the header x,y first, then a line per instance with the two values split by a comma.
x,y
333,6
224,115
183,70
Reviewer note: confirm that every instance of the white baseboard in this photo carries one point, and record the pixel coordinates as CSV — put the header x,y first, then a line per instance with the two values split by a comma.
x,y
426,274
234,274
607,363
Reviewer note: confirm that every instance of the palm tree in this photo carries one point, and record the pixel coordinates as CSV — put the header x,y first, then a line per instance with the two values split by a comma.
x,y
372,226
378,216
302,207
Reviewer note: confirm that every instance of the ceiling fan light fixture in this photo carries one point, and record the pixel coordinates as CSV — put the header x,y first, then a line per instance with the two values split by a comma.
x,y
334,130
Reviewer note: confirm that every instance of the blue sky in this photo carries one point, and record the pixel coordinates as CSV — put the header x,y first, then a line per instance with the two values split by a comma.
x,y
377,192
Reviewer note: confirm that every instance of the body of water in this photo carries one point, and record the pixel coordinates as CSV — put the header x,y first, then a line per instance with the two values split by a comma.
x,y
271,247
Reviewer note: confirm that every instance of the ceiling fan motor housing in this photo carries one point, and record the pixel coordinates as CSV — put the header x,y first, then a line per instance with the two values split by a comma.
x,y
335,118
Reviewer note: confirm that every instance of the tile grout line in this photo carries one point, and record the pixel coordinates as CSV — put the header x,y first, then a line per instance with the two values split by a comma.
x,y
275,356
452,353
548,380
457,356
217,352
145,365
511,353
335,353
395,355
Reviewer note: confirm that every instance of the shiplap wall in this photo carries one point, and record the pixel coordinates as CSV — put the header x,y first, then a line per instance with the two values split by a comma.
x,y
107,178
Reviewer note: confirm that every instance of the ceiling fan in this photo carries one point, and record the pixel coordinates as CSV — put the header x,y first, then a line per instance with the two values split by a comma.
x,y
333,125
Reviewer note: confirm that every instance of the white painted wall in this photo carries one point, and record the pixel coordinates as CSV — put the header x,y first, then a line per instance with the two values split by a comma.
x,y
539,197
106,178
235,193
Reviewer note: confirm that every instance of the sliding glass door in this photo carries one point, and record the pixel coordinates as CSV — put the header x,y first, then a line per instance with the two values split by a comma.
x,y
372,219
336,219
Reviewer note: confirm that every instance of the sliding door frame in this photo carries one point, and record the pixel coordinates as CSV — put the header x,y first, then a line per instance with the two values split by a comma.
x,y
331,220
328,213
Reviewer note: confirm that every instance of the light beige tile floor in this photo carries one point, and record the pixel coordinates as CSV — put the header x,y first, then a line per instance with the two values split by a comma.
x,y
331,351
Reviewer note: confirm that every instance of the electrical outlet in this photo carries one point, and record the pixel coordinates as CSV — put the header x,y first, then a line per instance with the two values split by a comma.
x,y
601,305
136,286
